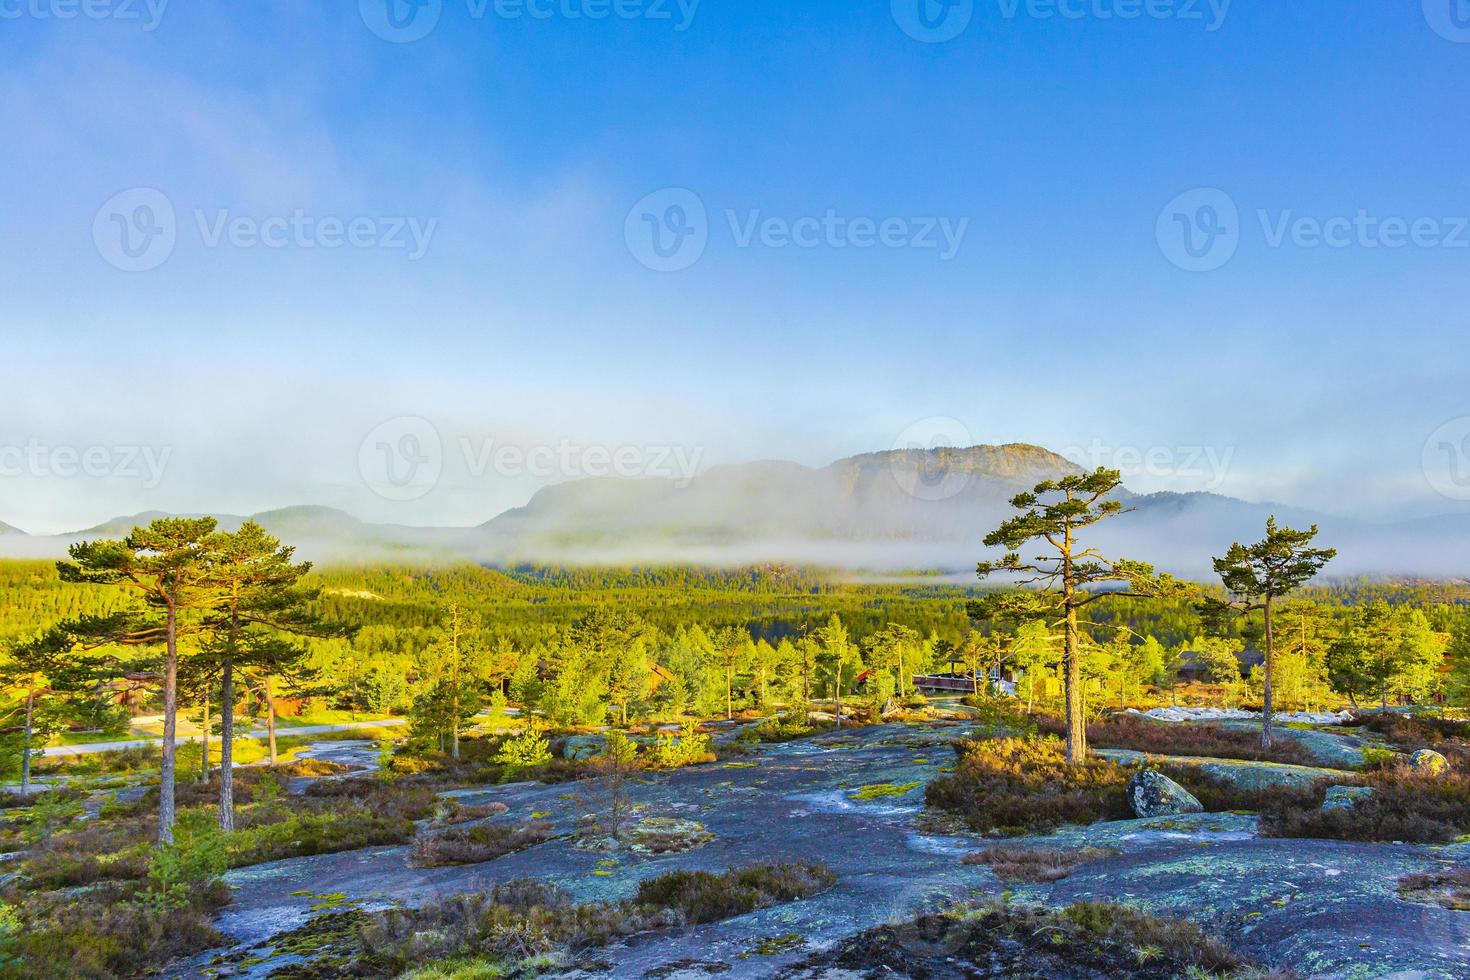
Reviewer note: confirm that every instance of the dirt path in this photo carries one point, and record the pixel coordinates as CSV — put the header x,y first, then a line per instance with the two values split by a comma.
x,y
258,735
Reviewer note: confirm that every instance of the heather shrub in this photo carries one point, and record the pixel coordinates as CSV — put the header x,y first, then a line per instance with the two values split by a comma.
x,y
481,842
1161,738
1016,786
703,896
1404,806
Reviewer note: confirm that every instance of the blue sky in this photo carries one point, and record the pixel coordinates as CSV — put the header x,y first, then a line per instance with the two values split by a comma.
x,y
519,146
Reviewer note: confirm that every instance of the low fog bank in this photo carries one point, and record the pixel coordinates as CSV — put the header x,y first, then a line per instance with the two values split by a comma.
x,y
880,513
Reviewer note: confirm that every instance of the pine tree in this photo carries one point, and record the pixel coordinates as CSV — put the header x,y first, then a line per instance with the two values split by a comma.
x,y
167,565
1065,579
1258,576
260,603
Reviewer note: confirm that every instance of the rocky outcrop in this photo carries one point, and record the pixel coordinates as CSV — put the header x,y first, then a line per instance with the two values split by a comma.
x,y
1345,797
1152,794
1429,762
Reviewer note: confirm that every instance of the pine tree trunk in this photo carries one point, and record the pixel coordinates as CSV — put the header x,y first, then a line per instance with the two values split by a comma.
x,y
729,710
1076,717
227,748
1270,678
170,729
204,742
25,745
270,718
837,692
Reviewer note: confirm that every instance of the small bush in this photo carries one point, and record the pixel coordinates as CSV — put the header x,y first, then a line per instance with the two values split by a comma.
x,y
108,931
1035,864
1404,806
523,752
1410,733
482,842
1378,758
1016,786
1090,939
1449,888
687,748
1163,738
702,896
1219,795
452,812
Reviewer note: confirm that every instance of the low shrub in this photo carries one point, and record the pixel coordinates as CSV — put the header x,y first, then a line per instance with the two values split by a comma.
x,y
1035,864
528,751
1219,795
1014,786
1089,939
1404,806
674,751
327,832
1448,888
108,931
703,896
777,730
1410,733
1165,738
1379,758
482,842
526,919
452,812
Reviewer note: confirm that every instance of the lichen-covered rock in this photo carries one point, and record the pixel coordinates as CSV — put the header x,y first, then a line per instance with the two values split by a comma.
x,y
1429,762
1152,794
584,747
1345,797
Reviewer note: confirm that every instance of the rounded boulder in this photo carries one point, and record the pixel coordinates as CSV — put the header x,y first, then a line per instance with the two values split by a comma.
x,y
1152,794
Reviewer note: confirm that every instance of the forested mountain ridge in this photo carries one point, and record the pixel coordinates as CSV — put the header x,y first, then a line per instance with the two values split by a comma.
x,y
899,509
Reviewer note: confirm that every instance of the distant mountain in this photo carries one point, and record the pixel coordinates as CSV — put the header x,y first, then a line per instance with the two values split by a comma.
x,y
7,529
879,511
